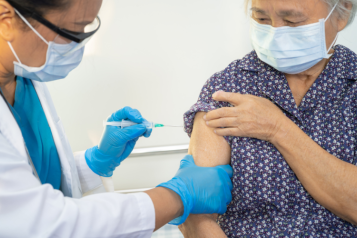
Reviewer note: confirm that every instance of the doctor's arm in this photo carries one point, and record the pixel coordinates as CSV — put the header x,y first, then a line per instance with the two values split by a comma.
x,y
42,211
29,209
208,150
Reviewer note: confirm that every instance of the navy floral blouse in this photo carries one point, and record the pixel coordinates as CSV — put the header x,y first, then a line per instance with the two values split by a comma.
x,y
268,199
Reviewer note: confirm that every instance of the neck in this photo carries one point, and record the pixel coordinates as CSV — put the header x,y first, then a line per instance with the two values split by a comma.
x,y
301,83
7,84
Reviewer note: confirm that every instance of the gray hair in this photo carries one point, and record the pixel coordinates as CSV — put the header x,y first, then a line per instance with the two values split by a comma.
x,y
342,11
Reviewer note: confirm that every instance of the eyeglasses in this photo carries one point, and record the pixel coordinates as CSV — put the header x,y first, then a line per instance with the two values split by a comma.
x,y
77,37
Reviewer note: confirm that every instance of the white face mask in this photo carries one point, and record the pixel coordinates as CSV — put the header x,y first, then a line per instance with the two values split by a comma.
x,y
61,59
291,50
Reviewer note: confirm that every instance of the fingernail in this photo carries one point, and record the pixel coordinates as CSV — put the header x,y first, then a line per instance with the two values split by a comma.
x,y
207,123
204,117
215,132
215,94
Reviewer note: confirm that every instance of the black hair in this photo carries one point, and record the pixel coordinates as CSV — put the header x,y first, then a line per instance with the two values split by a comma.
x,y
27,7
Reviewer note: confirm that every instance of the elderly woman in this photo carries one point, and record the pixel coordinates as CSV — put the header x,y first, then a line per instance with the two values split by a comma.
x,y
288,114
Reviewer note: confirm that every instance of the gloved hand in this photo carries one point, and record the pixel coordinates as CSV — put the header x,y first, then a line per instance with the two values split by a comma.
x,y
116,143
202,190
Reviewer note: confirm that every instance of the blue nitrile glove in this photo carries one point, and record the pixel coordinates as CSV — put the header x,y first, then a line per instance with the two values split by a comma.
x,y
202,190
116,143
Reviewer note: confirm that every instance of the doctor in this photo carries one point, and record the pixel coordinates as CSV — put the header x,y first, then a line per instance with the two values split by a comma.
x,y
41,183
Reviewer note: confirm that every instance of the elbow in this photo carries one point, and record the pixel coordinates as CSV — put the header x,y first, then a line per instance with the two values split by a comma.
x,y
351,217
354,219
348,214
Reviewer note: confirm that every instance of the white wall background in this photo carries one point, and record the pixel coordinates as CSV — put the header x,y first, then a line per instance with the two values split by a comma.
x,y
154,56
151,55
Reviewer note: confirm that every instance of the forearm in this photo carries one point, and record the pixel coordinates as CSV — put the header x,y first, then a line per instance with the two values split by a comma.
x,y
168,205
329,180
201,226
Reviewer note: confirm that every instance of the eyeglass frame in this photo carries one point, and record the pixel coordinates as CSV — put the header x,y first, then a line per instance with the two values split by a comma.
x,y
77,37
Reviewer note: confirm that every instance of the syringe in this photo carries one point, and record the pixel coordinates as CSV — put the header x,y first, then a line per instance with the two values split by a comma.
x,y
108,182
127,123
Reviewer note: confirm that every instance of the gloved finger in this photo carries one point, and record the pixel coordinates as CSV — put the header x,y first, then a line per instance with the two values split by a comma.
x,y
225,177
228,193
222,210
227,168
221,206
128,149
187,161
132,132
226,186
229,199
147,133
228,182
126,113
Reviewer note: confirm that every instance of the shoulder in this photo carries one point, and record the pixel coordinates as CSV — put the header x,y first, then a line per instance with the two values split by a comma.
x,y
249,62
345,61
237,68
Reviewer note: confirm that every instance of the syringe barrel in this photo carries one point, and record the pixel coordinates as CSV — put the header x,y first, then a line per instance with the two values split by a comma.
x,y
149,125
125,123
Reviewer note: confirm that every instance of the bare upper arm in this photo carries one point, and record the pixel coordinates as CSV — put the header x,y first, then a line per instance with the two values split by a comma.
x,y
207,148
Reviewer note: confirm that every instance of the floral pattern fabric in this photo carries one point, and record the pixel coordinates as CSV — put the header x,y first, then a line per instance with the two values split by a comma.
x,y
268,199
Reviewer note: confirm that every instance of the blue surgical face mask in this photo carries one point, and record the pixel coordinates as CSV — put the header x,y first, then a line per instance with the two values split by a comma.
x,y
291,50
61,59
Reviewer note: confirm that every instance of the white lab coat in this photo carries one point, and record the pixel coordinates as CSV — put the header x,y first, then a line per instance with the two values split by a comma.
x,y
29,209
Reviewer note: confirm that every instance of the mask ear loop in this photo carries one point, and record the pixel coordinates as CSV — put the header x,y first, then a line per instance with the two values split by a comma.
x,y
29,25
333,9
13,51
333,43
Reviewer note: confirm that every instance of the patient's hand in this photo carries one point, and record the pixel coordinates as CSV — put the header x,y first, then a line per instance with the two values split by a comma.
x,y
201,226
251,116
208,150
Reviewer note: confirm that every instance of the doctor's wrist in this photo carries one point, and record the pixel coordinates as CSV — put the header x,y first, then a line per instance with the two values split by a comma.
x,y
176,199
168,205
97,162
178,187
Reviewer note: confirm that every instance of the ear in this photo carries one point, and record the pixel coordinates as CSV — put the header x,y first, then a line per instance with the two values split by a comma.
x,y
343,20
7,21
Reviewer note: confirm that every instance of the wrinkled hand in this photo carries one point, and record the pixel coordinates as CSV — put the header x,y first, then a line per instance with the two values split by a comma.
x,y
203,190
251,116
116,143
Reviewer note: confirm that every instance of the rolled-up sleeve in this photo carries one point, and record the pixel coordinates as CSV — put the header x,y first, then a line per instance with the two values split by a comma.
x,y
205,103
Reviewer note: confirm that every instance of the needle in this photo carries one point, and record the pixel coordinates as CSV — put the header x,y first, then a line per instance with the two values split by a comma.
x,y
161,125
